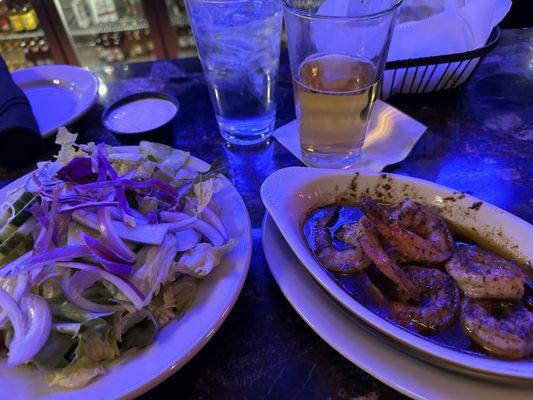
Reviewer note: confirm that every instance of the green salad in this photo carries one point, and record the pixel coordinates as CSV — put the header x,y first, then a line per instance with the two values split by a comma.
x,y
99,250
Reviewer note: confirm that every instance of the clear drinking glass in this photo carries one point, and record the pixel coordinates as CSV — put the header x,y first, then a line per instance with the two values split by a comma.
x,y
337,52
238,42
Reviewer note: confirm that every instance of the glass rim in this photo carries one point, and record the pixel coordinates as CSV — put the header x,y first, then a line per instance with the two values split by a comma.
x,y
308,15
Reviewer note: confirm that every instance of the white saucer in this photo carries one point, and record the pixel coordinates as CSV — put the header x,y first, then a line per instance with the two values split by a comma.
x,y
350,338
58,94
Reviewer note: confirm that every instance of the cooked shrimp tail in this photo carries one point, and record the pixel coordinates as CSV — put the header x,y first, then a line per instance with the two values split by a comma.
x,y
413,230
481,273
346,261
510,337
370,242
438,305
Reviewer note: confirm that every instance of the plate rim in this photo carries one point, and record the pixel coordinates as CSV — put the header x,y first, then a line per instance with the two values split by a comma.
x,y
419,344
177,364
47,69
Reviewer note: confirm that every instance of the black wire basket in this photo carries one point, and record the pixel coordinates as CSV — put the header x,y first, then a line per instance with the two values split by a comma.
x,y
431,74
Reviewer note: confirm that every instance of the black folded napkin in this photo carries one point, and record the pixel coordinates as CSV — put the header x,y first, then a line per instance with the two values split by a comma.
x,y
20,140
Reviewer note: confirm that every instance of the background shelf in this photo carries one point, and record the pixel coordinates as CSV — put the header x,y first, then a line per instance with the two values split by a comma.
x,y
23,35
122,25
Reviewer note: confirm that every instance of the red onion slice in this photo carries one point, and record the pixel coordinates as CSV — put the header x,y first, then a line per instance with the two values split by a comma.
x,y
142,233
125,287
119,191
44,239
74,287
212,218
187,239
89,204
139,217
185,221
21,285
149,183
101,250
211,233
31,325
111,261
176,216
107,230
25,263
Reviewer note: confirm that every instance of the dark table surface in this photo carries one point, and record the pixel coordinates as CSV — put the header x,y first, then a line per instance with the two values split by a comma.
x,y
479,140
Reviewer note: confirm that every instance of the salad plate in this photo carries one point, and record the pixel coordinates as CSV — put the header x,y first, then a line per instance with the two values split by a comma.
x,y
137,370
291,193
58,94
376,354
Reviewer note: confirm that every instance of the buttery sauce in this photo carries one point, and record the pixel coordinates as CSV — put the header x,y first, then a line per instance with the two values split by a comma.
x,y
360,286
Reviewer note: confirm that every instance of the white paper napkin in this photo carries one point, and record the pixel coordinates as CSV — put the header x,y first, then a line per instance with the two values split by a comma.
x,y
391,137
462,26
426,27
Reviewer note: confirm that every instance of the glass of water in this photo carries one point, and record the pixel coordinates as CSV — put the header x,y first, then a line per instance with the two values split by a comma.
x,y
238,42
337,51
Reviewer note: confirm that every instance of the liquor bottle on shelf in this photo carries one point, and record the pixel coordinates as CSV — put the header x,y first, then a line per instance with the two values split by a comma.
x,y
182,43
28,17
5,24
26,50
108,47
98,12
45,55
14,55
111,10
81,14
30,54
175,13
190,38
136,48
93,11
148,44
133,9
6,49
106,53
99,47
15,17
34,51
125,45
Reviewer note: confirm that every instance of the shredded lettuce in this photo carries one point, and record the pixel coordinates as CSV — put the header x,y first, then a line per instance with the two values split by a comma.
x,y
98,348
199,261
76,374
51,288
69,312
145,170
55,352
68,148
175,299
161,153
204,191
68,328
139,335
125,162
155,270
9,284
173,164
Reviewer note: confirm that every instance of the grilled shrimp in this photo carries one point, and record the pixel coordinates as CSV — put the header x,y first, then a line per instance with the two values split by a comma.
x,y
413,230
481,273
510,337
346,261
369,238
438,305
